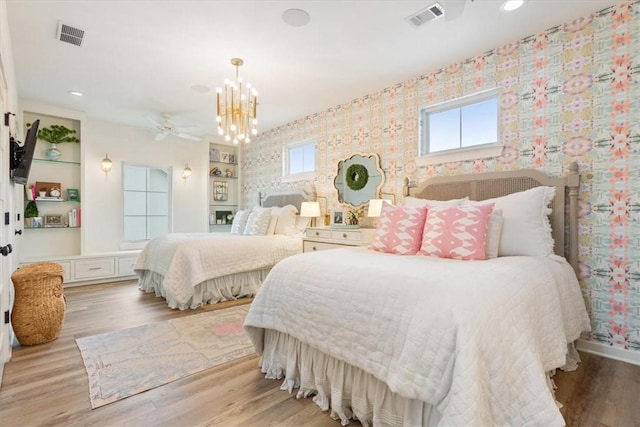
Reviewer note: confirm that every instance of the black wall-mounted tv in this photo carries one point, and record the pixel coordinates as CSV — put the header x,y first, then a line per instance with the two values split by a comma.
x,y
22,155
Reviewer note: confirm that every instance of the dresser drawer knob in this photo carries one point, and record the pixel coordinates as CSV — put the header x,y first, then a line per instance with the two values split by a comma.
x,y
344,235
314,248
317,234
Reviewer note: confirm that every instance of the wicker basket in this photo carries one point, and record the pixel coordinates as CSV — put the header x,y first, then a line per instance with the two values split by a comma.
x,y
39,306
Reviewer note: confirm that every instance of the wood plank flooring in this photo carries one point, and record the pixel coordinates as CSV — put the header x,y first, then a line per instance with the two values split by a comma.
x,y
47,384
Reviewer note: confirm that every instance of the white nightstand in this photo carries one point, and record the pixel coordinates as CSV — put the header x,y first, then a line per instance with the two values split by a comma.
x,y
321,238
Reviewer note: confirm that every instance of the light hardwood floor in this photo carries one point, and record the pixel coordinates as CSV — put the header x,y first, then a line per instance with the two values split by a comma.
x,y
47,384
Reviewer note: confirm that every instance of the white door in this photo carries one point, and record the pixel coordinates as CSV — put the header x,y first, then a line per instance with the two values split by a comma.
x,y
6,191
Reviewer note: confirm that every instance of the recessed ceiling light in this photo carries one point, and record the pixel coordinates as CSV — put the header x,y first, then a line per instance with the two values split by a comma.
x,y
75,93
511,5
296,17
200,88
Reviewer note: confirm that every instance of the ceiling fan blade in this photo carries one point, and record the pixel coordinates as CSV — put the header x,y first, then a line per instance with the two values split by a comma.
x,y
189,137
453,9
161,136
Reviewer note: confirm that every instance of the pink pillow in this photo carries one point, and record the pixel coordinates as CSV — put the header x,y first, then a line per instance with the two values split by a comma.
x,y
458,232
399,230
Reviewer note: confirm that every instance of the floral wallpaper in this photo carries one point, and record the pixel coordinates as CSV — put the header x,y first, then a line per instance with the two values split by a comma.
x,y
570,93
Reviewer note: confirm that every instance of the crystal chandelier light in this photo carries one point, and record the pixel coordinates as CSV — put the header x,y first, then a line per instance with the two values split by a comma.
x,y
236,105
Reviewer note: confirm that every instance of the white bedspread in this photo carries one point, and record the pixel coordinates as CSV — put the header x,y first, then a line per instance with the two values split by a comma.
x,y
187,259
472,338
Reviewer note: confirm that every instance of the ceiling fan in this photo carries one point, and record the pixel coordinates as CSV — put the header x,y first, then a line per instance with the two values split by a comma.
x,y
166,128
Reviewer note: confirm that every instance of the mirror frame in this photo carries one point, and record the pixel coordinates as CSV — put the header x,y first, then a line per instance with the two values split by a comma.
x,y
375,181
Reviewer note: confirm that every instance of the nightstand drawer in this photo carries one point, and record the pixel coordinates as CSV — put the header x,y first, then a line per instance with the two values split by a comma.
x,y
125,265
89,269
316,232
353,235
310,246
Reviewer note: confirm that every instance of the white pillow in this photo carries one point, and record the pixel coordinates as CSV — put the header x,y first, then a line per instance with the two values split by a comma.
x,y
302,222
273,222
494,231
286,219
239,222
526,229
414,202
258,222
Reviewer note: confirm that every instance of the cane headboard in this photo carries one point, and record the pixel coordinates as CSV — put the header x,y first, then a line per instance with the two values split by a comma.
x,y
487,185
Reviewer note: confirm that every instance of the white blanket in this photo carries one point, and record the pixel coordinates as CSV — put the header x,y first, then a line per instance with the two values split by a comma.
x,y
185,260
472,338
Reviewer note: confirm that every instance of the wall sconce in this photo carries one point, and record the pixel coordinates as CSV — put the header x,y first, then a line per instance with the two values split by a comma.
x,y
106,164
186,172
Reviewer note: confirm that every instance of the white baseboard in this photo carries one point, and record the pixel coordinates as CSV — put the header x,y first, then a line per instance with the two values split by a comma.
x,y
610,352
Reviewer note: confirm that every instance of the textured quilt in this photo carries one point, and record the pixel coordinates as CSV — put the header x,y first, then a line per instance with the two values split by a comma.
x,y
187,259
472,338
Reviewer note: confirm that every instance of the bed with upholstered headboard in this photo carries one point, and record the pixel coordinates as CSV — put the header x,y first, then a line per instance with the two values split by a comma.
x,y
194,269
456,314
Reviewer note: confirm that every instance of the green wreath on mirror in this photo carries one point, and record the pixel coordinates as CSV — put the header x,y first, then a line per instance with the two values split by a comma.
x,y
357,177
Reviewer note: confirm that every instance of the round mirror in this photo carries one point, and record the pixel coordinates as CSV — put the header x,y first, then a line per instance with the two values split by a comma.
x,y
359,179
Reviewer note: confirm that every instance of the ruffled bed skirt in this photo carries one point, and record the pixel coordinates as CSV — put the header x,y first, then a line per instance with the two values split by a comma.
x,y
212,291
348,391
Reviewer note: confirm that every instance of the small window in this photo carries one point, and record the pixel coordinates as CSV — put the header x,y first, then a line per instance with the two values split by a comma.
x,y
459,124
146,202
299,160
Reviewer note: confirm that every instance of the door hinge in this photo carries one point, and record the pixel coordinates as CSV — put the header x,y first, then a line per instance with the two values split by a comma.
x,y
6,317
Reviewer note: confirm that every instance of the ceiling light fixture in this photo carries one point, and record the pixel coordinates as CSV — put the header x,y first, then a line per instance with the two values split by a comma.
x,y
511,5
237,109
75,93
106,164
296,17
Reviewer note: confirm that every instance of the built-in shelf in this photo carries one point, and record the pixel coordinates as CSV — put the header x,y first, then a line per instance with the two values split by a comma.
x,y
52,201
48,228
56,161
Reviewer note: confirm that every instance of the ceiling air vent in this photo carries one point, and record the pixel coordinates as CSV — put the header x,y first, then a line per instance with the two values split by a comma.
x,y
425,15
69,34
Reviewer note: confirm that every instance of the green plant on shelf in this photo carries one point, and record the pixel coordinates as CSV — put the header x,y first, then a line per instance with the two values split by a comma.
x,y
31,209
56,134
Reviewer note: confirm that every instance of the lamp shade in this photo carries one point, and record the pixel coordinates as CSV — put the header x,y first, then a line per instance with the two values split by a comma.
x,y
375,207
310,209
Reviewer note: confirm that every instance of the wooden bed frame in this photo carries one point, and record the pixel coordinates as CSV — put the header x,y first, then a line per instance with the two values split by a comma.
x,y
487,185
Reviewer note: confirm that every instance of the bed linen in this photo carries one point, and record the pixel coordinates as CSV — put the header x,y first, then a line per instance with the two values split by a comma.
x,y
191,269
454,342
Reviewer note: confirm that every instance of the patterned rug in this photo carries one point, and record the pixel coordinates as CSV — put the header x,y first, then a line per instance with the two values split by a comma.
x,y
129,361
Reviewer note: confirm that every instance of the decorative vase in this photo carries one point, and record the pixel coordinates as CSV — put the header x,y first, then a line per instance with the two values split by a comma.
x,y
52,153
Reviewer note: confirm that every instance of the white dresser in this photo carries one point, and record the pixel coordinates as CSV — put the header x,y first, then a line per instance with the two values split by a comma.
x,y
321,238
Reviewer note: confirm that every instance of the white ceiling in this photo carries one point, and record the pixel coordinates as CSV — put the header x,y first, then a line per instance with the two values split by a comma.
x,y
141,58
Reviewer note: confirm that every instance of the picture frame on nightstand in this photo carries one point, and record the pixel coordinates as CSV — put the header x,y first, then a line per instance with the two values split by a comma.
x,y
337,217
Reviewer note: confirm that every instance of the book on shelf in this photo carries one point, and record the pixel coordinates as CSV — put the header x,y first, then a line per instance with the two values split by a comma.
x,y
74,217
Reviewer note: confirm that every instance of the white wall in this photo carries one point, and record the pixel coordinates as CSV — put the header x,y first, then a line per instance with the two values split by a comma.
x,y
102,194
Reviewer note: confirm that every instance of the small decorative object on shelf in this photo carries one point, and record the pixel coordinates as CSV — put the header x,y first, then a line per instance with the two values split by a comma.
x,y
30,213
354,216
220,191
55,134
73,194
214,155
215,172
228,173
337,217
53,221
232,158
224,157
48,190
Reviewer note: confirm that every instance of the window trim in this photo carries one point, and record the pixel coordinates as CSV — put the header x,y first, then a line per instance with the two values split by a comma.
x,y
302,176
473,152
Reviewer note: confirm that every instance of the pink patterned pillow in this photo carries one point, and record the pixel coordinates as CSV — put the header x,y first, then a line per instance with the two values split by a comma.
x,y
458,232
399,230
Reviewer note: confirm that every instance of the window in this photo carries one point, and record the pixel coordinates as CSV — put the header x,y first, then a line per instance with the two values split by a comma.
x,y
146,202
459,124
299,160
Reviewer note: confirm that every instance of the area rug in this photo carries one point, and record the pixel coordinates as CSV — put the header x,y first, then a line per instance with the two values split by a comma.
x,y
129,361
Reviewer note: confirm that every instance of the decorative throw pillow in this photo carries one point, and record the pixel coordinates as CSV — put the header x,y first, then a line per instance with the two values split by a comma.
x,y
526,229
239,222
414,202
494,231
458,232
286,216
258,222
399,230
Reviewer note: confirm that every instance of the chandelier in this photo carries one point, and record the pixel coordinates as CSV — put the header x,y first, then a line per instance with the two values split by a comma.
x,y
236,106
